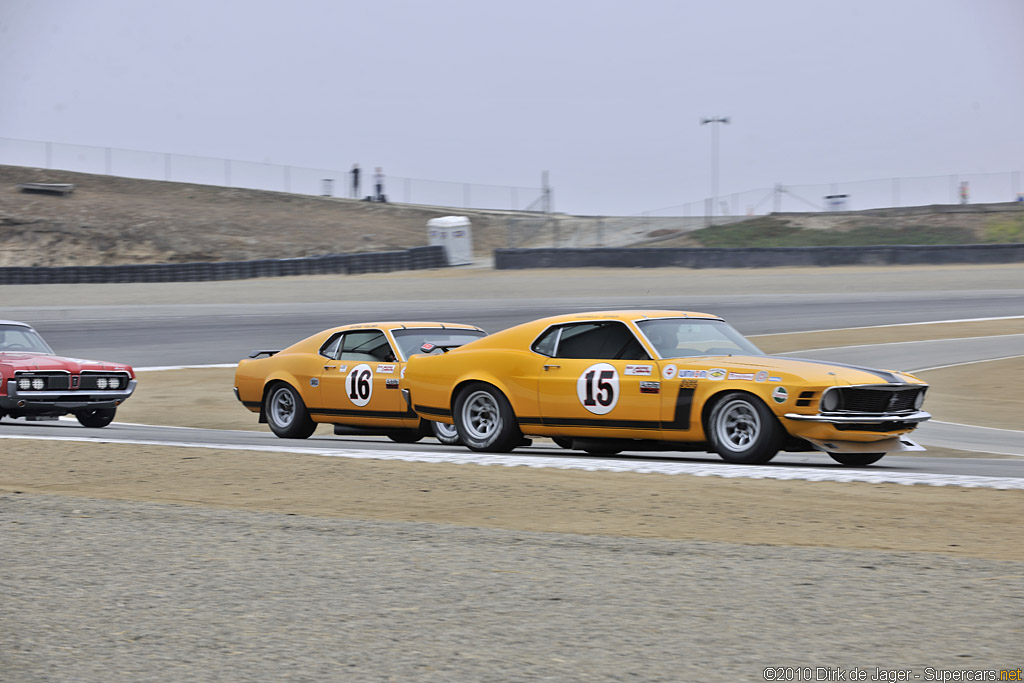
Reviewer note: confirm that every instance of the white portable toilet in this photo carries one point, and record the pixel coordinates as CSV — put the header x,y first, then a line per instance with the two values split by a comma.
x,y
452,233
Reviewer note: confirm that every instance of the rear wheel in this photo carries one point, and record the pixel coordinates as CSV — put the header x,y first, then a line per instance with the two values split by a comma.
x,y
856,459
446,433
287,414
485,420
97,417
743,430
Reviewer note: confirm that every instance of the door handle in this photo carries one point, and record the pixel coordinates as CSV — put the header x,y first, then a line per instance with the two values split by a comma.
x,y
330,367
551,367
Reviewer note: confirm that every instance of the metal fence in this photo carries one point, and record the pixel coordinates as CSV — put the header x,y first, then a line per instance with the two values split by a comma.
x,y
258,176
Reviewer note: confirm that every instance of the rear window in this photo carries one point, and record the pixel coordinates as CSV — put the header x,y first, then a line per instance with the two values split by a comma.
x,y
410,340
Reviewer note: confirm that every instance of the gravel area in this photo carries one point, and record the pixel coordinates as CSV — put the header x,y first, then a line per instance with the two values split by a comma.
x,y
147,592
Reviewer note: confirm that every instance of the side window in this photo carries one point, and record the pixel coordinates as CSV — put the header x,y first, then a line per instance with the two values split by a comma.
x,y
600,340
366,345
331,346
545,345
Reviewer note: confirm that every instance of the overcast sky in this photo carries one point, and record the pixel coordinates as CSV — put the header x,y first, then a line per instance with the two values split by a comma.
x,y
607,96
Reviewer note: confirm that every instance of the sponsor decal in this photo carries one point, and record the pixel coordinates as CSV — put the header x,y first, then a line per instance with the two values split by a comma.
x,y
314,381
780,395
761,376
598,388
741,375
359,385
640,370
774,379
694,374
688,384
402,373
668,372
391,383
716,374
385,369
650,387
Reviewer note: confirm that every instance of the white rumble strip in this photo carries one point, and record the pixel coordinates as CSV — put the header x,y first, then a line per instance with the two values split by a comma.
x,y
870,475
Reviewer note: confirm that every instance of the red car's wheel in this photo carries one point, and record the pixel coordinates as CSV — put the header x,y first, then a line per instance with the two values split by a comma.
x,y
98,417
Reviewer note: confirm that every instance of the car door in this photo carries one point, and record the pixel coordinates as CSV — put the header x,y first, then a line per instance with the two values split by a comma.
x,y
359,383
596,379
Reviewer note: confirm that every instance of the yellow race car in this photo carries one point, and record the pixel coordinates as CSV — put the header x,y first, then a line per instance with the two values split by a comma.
x,y
347,376
667,380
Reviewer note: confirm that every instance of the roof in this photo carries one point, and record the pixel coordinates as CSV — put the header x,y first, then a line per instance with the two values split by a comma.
x,y
14,322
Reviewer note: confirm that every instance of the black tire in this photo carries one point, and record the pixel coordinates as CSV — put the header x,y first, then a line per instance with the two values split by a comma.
x,y
405,435
857,459
485,420
743,430
562,442
286,413
97,417
446,433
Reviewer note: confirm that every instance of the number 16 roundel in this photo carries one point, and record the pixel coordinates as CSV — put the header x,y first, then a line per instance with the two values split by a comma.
x,y
598,388
359,385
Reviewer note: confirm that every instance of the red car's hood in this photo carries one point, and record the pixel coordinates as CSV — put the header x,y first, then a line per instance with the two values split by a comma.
x,y
26,360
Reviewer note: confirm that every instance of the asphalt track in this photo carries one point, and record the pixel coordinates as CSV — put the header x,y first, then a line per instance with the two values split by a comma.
x,y
199,334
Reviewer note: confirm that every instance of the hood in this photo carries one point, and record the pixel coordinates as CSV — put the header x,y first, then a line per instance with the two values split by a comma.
x,y
41,361
814,371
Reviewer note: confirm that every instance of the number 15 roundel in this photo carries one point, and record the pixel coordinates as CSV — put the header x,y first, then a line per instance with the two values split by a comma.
x,y
598,388
359,385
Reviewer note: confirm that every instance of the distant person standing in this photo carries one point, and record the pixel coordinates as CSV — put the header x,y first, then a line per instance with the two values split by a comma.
x,y
355,181
378,181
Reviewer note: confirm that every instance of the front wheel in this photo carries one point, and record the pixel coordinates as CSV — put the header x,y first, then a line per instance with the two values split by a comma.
x,y
287,414
446,433
97,417
485,420
743,430
856,459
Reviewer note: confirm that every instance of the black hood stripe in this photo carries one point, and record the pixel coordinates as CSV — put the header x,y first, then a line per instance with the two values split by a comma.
x,y
887,376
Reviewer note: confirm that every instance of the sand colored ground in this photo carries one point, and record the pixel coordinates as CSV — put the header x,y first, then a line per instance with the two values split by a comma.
x,y
859,516
986,394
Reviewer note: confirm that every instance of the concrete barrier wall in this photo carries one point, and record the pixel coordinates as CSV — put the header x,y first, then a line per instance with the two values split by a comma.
x,y
766,257
416,258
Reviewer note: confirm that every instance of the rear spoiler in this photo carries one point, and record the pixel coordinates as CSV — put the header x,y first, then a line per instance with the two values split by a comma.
x,y
430,347
257,354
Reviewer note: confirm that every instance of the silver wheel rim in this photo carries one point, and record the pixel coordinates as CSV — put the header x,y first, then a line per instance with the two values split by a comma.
x,y
282,407
480,416
445,430
738,425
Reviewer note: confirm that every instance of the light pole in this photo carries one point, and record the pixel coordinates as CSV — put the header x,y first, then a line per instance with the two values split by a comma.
x,y
714,158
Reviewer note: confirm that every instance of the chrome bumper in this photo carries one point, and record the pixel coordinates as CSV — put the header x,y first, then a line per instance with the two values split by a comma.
x,y
919,416
69,400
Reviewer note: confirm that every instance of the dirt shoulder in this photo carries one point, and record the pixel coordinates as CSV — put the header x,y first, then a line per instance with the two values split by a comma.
x,y
854,516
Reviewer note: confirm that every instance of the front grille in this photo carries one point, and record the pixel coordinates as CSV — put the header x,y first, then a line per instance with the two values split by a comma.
x,y
877,400
92,381
49,381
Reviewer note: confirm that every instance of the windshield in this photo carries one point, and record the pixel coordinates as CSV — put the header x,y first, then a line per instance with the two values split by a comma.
x,y
685,337
17,338
409,341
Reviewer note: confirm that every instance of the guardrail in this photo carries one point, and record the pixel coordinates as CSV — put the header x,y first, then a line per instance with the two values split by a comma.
x,y
756,257
416,258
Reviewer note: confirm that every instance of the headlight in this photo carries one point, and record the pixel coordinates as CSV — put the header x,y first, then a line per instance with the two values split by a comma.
x,y
114,383
101,383
38,383
919,400
24,383
830,401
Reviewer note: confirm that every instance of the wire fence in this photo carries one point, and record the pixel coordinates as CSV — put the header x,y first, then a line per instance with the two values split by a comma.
x,y
260,176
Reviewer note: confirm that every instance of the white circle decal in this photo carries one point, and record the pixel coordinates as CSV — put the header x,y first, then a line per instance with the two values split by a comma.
x,y
669,372
598,388
359,385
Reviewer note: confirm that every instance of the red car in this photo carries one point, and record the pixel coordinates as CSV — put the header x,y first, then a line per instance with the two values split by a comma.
x,y
37,384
